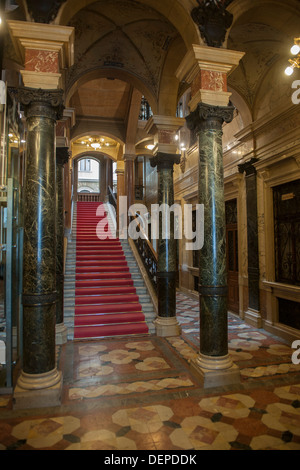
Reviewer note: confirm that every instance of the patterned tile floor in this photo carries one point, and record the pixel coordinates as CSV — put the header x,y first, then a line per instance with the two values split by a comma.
x,y
138,394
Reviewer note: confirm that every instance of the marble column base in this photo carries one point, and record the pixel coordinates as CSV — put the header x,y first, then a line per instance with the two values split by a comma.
x,y
61,334
37,391
167,326
215,371
253,318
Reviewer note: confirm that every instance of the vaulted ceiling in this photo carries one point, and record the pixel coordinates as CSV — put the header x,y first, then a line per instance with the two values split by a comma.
x,y
128,48
265,31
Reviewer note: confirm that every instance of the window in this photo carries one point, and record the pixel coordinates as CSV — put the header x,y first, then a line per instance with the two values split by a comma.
x,y
85,165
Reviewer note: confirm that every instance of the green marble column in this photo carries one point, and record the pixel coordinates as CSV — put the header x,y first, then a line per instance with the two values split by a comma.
x,y
207,122
62,157
42,109
166,268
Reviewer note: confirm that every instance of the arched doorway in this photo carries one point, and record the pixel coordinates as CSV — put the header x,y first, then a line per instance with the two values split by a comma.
x,y
88,176
92,177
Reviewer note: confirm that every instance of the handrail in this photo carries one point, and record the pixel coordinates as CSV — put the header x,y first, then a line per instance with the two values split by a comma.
x,y
147,253
111,197
145,237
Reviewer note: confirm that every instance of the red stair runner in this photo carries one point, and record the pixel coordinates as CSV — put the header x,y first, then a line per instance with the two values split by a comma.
x,y
106,303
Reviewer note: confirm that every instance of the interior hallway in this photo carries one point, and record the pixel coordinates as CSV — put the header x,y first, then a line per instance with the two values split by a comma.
x,y
137,393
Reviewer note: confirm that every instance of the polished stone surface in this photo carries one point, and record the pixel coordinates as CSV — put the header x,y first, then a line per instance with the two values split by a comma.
x,y
140,394
39,285
207,122
167,262
252,233
42,109
62,155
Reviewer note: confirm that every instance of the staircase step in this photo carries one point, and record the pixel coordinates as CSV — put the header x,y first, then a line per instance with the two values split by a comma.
x,y
105,294
100,299
100,319
103,283
85,332
92,291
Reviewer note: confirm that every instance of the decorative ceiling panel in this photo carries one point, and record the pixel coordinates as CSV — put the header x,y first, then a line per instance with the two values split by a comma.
x,y
124,35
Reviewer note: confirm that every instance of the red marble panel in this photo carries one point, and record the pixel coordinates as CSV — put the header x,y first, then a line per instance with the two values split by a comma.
x,y
209,80
214,81
165,137
41,61
60,129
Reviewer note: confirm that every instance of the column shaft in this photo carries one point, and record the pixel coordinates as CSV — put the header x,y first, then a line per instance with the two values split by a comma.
x,y
207,121
42,109
129,179
120,192
166,267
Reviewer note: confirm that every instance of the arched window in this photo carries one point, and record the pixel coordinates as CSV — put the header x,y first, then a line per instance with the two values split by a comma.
x,y
88,175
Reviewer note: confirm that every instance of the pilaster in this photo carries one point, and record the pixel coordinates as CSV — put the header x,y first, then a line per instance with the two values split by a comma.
x,y
62,157
45,50
164,129
206,69
252,315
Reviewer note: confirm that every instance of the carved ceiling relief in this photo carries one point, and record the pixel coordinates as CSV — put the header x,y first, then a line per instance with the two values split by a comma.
x,y
264,47
123,35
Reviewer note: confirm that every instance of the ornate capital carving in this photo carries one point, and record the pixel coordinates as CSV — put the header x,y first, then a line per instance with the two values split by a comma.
x,y
209,116
38,102
213,20
62,155
44,11
165,161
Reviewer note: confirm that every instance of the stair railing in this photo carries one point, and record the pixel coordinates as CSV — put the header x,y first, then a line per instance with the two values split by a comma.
x,y
111,198
88,197
146,251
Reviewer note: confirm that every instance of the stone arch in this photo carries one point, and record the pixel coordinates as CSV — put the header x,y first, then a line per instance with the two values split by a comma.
x,y
178,13
93,154
112,74
101,159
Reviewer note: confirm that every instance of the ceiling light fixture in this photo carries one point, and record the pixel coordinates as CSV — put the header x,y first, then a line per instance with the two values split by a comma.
x,y
95,145
295,62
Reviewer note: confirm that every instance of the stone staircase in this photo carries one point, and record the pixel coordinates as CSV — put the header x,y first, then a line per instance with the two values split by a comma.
x,y
136,274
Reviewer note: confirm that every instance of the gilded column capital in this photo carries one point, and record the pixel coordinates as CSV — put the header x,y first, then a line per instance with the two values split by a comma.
x,y
40,102
206,115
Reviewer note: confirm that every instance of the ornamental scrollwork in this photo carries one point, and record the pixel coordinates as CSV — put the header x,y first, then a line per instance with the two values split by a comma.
x,y
48,103
213,20
215,116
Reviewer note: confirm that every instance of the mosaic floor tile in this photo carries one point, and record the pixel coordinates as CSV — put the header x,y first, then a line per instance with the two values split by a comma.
x,y
233,406
45,432
139,394
201,433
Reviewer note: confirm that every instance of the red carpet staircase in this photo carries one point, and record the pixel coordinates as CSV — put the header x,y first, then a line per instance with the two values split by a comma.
x,y
106,302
